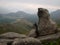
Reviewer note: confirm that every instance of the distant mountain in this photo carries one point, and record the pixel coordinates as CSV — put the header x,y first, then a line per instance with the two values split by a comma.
x,y
16,15
56,16
5,20
20,22
30,17
20,14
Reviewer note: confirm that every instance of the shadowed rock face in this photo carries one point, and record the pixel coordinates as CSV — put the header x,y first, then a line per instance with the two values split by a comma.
x,y
34,32
45,25
27,41
43,13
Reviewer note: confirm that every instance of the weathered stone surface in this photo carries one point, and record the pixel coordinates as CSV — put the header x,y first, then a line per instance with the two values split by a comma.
x,y
32,33
9,37
3,44
27,41
12,35
50,37
45,25
6,41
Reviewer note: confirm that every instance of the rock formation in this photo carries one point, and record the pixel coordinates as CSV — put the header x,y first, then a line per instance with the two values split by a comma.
x,y
27,41
8,38
45,25
3,44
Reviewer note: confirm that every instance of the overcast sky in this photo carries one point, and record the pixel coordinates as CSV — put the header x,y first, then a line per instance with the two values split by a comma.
x,y
29,6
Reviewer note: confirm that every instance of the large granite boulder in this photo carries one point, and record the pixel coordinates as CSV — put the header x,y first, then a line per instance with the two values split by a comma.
x,y
12,35
45,25
26,41
8,38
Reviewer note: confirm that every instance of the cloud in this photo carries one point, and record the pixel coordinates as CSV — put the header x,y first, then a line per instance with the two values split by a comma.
x,y
49,2
27,5
14,6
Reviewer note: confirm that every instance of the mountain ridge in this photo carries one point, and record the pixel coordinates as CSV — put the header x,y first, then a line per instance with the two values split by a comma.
x,y
30,17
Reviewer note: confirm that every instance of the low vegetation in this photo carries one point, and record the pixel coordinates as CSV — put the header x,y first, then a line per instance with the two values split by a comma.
x,y
19,27
55,42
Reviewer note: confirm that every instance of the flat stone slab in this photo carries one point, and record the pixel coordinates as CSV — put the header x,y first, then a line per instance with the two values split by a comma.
x,y
12,35
27,41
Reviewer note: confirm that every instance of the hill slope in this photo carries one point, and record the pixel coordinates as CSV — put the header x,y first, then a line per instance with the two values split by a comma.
x,y
19,26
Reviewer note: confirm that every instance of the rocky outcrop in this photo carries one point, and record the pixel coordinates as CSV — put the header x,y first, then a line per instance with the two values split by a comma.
x,y
6,41
8,38
27,41
12,35
45,24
